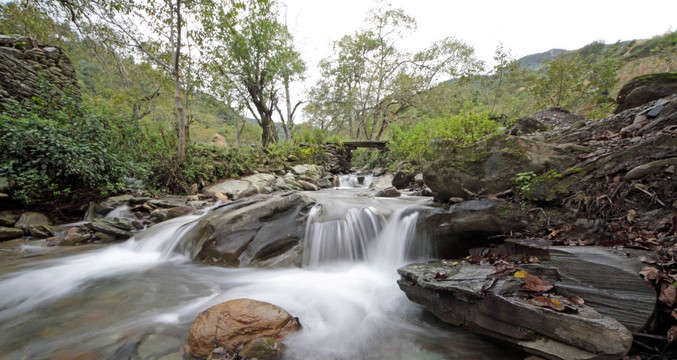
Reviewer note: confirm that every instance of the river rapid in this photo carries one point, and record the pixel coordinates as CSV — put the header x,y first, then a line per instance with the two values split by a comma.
x,y
90,304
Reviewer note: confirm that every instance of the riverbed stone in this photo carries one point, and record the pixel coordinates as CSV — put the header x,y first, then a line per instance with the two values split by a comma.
x,y
471,224
388,192
154,346
252,231
233,188
234,324
8,218
32,218
314,172
178,211
9,233
466,295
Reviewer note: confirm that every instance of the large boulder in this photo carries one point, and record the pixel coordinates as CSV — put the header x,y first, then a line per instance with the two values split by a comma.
x,y
489,166
243,187
547,325
471,224
30,218
234,324
646,88
263,230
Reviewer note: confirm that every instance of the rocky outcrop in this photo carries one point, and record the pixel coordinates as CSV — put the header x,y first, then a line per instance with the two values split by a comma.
x,y
471,224
235,324
558,118
527,125
518,309
644,89
263,230
488,167
28,68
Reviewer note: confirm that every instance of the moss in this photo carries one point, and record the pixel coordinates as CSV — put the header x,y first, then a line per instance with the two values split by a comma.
x,y
549,186
657,78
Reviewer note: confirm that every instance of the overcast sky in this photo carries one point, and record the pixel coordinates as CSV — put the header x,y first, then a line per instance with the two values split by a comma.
x,y
524,26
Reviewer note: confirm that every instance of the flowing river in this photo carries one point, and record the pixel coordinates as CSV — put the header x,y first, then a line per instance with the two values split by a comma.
x,y
92,304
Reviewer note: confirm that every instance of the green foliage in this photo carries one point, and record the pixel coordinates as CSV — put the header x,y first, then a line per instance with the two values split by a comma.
x,y
523,181
411,142
572,81
50,162
370,158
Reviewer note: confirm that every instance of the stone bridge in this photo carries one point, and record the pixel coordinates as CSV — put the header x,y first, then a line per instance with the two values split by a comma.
x,y
338,157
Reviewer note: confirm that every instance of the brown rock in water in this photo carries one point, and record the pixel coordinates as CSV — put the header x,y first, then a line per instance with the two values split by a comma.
x,y
233,324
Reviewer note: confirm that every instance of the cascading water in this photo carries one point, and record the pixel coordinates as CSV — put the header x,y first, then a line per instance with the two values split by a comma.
x,y
89,305
350,181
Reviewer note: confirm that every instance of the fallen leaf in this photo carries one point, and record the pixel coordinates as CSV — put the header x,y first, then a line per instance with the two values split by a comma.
x,y
441,275
543,301
674,313
631,216
668,293
502,268
534,283
532,260
521,274
649,273
672,334
576,300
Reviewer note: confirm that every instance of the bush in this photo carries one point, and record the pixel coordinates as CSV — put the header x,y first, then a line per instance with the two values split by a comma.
x,y
51,163
410,143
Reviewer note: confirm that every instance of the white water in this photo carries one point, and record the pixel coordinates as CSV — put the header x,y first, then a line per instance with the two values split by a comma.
x,y
351,181
346,294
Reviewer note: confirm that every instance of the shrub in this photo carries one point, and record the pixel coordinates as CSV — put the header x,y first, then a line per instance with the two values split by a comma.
x,y
50,163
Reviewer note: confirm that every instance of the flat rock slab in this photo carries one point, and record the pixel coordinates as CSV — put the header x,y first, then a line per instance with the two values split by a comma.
x,y
608,282
465,296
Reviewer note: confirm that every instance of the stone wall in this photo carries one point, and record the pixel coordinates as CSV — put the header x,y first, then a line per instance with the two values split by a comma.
x,y
29,69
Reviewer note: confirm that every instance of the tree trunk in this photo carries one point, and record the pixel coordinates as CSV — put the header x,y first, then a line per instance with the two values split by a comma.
x,y
177,86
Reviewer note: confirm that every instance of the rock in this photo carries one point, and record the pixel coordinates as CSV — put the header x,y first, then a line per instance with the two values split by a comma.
x,y
8,218
263,349
99,226
382,182
644,89
608,282
154,346
32,218
387,192
645,169
104,237
467,296
222,198
527,125
312,171
403,179
252,231
76,235
112,203
489,166
39,231
470,224
9,233
326,182
233,324
234,189
558,117
379,171
178,211
307,185
260,181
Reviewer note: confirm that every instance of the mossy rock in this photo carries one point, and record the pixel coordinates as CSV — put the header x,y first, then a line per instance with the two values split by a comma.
x,y
646,88
488,166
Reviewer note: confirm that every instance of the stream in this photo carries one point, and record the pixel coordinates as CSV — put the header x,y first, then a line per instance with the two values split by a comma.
x,y
91,304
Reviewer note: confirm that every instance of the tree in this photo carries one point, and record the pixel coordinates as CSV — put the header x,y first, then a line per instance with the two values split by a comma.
x,y
369,83
571,81
491,86
253,59
157,30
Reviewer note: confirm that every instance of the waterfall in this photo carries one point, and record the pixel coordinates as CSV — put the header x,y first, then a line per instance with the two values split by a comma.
x,y
337,233
355,181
